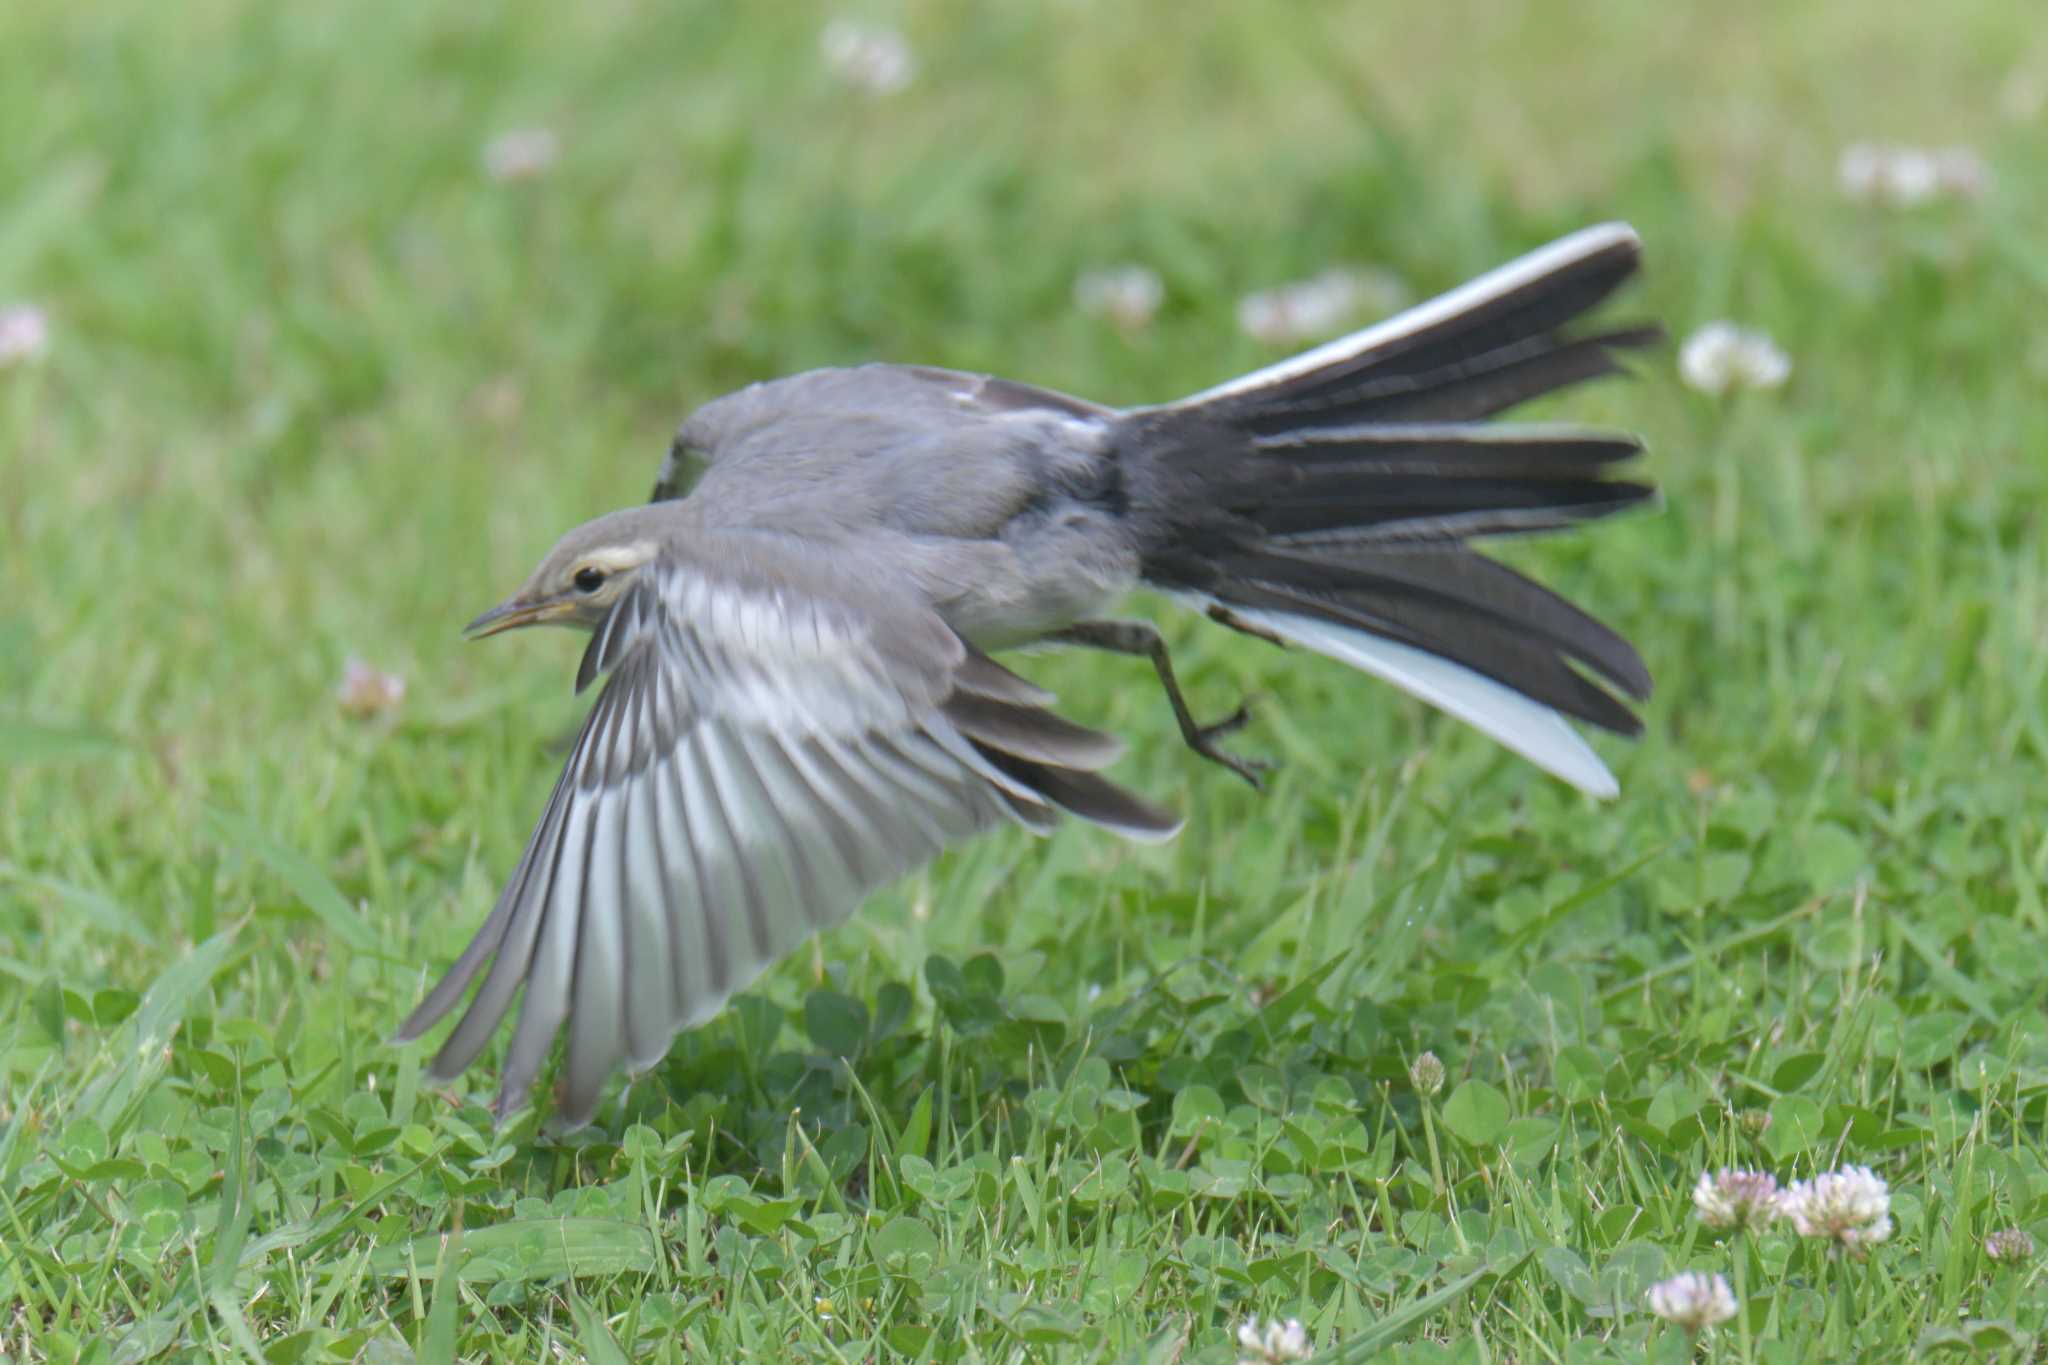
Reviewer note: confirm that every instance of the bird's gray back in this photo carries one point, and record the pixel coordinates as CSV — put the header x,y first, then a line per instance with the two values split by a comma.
x,y
920,451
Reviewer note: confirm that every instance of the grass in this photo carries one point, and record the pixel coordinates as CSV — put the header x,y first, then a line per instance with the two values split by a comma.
x,y
318,388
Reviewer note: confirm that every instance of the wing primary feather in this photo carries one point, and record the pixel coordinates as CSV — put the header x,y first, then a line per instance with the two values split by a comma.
x,y
976,800
550,1001
648,913
973,802
789,849
875,795
548,977
690,945
937,772
747,846
831,878
491,937
599,984
861,846
472,1032
721,891
1040,820
967,803
925,795
456,979
942,733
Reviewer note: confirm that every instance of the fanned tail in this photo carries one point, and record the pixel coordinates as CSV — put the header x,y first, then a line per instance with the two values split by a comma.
x,y
1327,500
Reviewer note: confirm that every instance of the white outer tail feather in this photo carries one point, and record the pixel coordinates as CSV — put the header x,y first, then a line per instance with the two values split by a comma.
x,y
1531,729
1545,260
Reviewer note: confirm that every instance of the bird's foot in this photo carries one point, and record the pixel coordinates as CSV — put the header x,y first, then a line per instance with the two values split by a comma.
x,y
1203,740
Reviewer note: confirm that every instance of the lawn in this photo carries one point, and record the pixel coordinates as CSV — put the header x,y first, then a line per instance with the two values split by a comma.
x,y
318,386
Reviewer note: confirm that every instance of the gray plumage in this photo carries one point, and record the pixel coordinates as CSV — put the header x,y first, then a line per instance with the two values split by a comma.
x,y
799,705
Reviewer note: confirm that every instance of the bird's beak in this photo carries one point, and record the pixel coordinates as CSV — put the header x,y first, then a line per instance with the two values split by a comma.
x,y
512,614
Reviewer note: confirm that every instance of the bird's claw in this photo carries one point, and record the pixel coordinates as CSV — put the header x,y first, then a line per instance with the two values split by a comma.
x,y
1204,742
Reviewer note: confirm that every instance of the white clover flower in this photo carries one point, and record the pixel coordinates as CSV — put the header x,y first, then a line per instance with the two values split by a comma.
x,y
1693,1300
1902,177
871,59
24,334
1426,1073
522,154
1275,1342
1874,174
1720,357
1852,1206
2009,1245
1309,309
1127,295
1735,1198
366,692
1961,171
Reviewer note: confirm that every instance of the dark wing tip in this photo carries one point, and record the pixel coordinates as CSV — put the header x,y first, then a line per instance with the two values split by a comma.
x,y
985,677
1031,733
412,1030
680,468
509,1103
1099,801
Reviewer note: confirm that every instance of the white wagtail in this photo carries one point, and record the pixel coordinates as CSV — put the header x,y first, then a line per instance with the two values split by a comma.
x,y
800,705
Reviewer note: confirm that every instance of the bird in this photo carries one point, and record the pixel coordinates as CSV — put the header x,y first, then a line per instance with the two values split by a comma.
x,y
796,635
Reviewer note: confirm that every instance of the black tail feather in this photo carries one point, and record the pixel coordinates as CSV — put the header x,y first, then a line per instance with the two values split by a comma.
x,y
1370,506
1340,487
1475,351
1427,447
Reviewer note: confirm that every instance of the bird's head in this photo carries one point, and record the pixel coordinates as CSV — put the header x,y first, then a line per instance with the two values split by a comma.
x,y
580,579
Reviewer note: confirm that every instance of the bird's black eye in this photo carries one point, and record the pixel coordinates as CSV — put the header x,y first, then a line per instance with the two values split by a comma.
x,y
589,579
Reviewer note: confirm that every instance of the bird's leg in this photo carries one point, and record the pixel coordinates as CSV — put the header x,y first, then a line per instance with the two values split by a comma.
x,y
1141,638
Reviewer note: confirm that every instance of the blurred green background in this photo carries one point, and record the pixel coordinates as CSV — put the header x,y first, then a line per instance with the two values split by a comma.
x,y
319,385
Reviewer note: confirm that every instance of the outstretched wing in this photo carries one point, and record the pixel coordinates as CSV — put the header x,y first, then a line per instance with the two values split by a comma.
x,y
768,749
